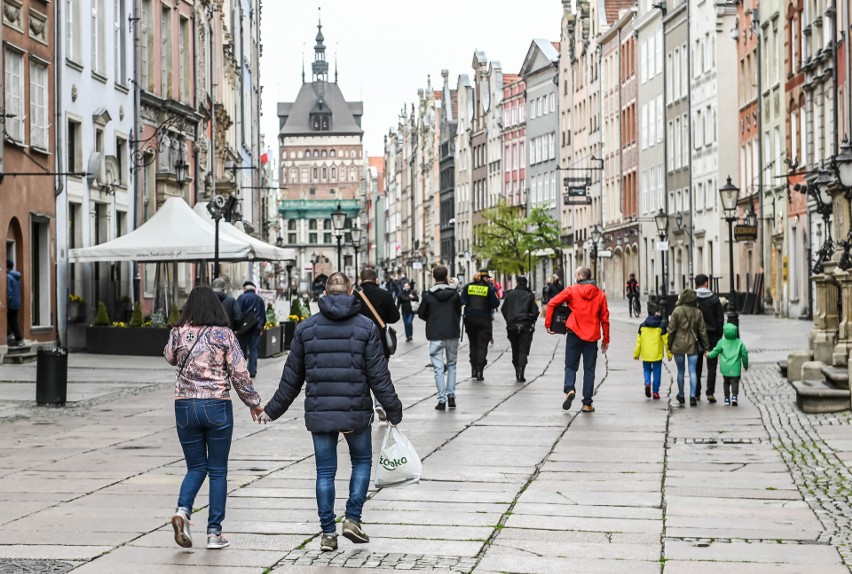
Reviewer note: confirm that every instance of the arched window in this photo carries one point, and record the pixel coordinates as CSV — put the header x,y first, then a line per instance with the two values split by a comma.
x,y
324,173
332,153
316,171
323,153
333,171
307,153
316,153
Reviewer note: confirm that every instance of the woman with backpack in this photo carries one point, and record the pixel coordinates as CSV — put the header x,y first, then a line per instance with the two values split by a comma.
x,y
687,341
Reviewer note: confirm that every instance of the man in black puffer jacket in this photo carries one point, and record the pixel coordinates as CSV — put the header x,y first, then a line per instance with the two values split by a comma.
x,y
520,311
339,357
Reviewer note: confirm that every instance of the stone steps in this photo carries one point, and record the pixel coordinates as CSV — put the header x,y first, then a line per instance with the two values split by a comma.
x,y
821,397
20,355
838,377
782,365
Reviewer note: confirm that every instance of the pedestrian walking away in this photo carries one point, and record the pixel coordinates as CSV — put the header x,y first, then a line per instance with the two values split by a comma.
x,y
403,300
650,346
589,318
441,309
554,287
210,363
520,312
386,309
229,304
687,342
631,289
337,355
734,355
13,304
480,301
250,302
714,320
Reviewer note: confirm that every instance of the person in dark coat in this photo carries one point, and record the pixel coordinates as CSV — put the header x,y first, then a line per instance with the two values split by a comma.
x,y
382,301
480,301
13,303
441,309
337,354
232,310
520,311
404,300
554,288
714,320
251,302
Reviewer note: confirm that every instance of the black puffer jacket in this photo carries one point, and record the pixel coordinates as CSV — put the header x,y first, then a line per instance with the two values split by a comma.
x,y
441,309
519,307
339,356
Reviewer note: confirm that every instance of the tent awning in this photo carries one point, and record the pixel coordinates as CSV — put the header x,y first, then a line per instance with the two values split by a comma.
x,y
261,249
173,233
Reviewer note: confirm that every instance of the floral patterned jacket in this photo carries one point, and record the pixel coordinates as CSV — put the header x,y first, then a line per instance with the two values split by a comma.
x,y
216,363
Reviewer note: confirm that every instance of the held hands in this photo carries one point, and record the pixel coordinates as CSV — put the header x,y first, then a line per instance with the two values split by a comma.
x,y
263,418
256,412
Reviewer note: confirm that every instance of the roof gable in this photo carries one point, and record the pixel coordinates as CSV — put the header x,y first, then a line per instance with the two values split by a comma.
x,y
541,54
320,98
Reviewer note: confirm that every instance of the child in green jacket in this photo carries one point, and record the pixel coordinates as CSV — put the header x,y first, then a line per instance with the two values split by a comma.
x,y
734,353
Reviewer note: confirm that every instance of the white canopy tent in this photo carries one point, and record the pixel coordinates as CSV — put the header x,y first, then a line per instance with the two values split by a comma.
x,y
261,250
174,233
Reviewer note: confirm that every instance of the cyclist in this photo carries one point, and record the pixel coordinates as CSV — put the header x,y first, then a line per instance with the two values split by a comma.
x,y
631,288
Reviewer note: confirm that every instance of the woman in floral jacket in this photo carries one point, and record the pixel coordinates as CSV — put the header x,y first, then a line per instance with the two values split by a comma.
x,y
210,362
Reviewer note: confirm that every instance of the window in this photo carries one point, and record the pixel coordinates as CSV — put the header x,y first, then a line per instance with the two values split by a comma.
x,y
552,102
669,75
166,52
15,95
122,158
684,78
185,72
39,124
658,59
75,146
294,175
540,106
98,37
644,191
532,109
652,124
147,46
670,148
643,134
72,30
120,42
334,172
315,174
643,62
697,130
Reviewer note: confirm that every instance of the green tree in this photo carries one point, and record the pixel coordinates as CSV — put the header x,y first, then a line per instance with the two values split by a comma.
x,y
136,317
174,315
102,317
506,238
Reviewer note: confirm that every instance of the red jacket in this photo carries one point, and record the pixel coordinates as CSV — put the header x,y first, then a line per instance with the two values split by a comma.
x,y
589,311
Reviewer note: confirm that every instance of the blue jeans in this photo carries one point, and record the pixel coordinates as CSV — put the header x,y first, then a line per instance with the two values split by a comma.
x,y
250,345
361,456
653,369
205,427
437,351
683,361
408,321
574,348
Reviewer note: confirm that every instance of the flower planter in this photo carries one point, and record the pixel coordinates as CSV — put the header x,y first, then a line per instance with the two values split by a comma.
x,y
270,343
76,312
141,341
289,331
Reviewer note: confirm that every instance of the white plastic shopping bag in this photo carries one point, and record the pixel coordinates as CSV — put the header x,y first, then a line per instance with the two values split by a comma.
x,y
398,461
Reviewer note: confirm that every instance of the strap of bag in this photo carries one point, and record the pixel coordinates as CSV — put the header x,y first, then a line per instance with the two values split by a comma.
x,y
372,309
189,354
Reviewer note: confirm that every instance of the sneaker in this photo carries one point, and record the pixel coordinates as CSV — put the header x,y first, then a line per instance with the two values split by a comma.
x,y
733,401
680,399
441,406
588,409
693,402
727,400
353,531
328,542
648,391
569,398
217,541
711,399
180,522
380,412
656,396
451,402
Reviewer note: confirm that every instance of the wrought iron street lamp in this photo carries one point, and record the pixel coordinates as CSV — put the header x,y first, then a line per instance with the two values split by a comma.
x,y
338,221
181,171
729,194
595,234
355,234
661,219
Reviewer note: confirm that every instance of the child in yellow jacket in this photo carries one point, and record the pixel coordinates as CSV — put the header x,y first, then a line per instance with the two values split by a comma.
x,y
651,343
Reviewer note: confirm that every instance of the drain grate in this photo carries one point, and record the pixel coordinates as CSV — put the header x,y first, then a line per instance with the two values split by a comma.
x,y
14,566
721,440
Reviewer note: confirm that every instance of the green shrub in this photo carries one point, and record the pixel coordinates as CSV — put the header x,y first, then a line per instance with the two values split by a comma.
x,y
174,315
102,317
136,317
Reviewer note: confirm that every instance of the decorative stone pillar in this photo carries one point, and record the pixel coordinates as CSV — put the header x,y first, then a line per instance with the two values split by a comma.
x,y
844,334
826,321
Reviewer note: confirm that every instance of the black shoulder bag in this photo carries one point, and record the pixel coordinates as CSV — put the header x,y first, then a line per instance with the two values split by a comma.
x,y
388,332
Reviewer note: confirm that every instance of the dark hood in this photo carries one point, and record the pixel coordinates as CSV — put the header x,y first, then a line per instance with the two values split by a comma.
x,y
587,289
221,295
14,273
339,307
442,292
652,321
688,298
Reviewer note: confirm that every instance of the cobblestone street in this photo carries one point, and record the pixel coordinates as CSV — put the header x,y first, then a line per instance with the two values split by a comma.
x,y
511,483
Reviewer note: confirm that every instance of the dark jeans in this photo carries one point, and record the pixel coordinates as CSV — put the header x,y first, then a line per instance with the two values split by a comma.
x,y
712,365
408,322
520,337
361,455
574,348
250,345
205,427
653,372
479,335
12,326
732,386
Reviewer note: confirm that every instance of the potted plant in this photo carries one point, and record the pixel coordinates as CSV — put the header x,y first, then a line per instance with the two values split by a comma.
x,y
76,308
135,337
270,341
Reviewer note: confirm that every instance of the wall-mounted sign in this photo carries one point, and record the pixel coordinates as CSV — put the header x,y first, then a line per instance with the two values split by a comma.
x,y
745,232
577,190
569,200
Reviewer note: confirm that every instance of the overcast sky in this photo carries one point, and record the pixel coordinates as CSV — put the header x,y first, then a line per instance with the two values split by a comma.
x,y
386,49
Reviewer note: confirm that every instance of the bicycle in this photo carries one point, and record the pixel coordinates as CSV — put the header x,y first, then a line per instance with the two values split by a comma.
x,y
634,307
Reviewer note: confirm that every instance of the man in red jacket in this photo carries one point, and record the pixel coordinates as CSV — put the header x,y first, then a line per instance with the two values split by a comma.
x,y
589,315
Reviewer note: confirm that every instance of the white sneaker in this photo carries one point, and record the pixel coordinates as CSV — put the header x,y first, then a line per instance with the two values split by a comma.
x,y
380,412
180,522
217,541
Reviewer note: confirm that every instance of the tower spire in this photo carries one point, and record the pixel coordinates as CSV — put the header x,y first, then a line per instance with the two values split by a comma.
x,y
303,62
335,62
320,65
